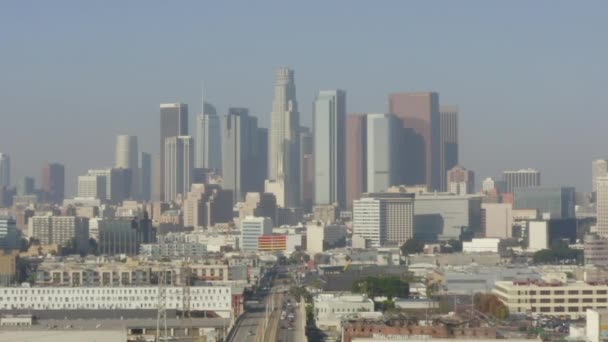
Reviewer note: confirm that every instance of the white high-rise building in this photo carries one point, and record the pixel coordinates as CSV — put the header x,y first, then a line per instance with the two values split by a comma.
x,y
386,217
179,157
251,229
60,230
525,178
284,146
5,170
208,140
602,206
92,187
127,157
382,151
599,168
329,120
488,184
367,221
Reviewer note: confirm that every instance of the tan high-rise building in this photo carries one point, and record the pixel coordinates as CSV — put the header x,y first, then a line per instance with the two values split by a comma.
x,y
419,113
460,181
602,206
356,161
599,168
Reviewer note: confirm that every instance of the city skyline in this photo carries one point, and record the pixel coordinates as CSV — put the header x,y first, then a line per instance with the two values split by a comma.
x,y
543,88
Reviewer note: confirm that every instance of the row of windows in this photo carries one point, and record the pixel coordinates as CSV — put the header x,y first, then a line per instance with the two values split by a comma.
x,y
559,292
72,291
563,300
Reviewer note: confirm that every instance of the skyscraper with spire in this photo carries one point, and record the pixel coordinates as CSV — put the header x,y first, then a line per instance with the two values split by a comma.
x,y
284,146
208,140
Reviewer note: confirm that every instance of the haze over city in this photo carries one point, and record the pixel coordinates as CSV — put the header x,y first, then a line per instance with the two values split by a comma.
x,y
528,78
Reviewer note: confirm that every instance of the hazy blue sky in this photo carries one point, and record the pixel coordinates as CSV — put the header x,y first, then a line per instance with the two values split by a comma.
x,y
530,77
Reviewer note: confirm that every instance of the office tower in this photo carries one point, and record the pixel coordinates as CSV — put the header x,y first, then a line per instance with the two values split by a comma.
x,y
602,206
208,139
5,170
261,171
488,184
10,235
599,168
251,229
53,182
307,170
92,187
25,186
419,113
127,157
119,237
192,206
497,220
460,181
145,177
156,174
116,182
383,163
595,250
384,218
173,123
526,178
284,149
448,142
446,216
241,153
329,116
179,157
356,157
556,202
267,206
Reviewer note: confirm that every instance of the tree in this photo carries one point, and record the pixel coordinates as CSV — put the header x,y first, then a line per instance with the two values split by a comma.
x,y
412,246
390,287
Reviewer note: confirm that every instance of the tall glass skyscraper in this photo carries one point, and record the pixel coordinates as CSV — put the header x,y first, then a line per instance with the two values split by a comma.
x,y
173,123
208,139
329,120
284,146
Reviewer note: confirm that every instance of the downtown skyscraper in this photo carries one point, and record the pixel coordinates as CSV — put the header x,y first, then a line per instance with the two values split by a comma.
x,y
419,113
448,143
208,140
243,156
127,157
284,144
179,162
5,170
329,120
53,182
173,123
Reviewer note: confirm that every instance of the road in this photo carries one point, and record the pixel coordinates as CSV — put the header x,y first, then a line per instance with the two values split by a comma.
x,y
255,326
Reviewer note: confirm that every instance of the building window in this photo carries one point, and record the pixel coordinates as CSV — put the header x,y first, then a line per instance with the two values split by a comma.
x,y
545,293
558,292
559,300
572,300
572,292
572,309
587,292
587,300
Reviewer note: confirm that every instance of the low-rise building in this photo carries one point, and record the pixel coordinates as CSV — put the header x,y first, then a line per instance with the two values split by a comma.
x,y
552,298
201,298
330,309
485,245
